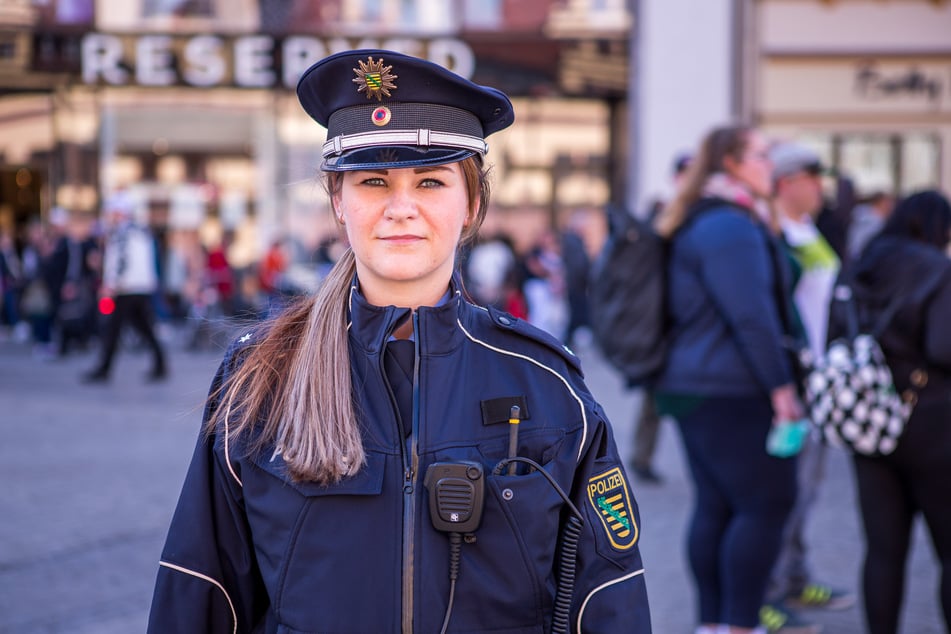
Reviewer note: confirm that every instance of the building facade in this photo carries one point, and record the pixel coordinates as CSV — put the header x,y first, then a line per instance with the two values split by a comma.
x,y
191,105
867,83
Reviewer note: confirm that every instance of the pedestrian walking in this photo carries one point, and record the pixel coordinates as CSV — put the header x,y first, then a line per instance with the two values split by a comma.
x,y
908,261
129,279
727,380
384,456
647,421
577,267
39,297
544,285
75,254
12,282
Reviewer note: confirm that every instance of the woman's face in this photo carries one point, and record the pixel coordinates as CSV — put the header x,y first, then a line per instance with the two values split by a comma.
x,y
403,226
754,168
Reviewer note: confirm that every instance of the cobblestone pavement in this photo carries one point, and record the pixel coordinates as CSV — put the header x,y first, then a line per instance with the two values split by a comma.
x,y
91,474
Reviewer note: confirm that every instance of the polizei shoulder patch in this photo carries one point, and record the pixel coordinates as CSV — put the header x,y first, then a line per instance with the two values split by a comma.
x,y
611,501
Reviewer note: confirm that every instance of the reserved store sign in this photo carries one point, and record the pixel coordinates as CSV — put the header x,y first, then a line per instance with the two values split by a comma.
x,y
250,61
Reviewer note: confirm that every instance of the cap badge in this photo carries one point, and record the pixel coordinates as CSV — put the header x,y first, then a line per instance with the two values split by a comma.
x,y
374,78
381,116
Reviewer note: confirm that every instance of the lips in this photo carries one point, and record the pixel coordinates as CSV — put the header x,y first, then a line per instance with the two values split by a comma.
x,y
401,239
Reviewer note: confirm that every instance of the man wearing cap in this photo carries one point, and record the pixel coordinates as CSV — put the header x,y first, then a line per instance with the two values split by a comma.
x,y
130,278
797,199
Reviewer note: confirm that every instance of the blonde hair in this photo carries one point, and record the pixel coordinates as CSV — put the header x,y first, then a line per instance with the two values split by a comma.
x,y
295,380
719,143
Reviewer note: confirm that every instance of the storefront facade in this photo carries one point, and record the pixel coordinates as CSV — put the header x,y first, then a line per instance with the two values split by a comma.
x,y
867,83
191,105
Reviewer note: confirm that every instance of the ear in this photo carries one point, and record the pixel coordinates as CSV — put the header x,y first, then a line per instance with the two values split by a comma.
x,y
473,214
335,208
730,165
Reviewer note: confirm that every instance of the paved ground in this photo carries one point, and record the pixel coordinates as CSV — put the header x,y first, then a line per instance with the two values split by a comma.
x,y
91,476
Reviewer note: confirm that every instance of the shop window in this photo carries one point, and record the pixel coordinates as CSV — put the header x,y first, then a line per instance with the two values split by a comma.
x,y
408,14
870,161
373,10
893,163
182,8
20,189
8,47
920,161
482,14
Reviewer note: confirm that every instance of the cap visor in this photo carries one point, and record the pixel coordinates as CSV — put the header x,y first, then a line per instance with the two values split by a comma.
x,y
393,157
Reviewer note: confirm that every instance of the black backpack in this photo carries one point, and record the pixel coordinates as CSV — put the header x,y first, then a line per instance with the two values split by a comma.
x,y
627,297
627,293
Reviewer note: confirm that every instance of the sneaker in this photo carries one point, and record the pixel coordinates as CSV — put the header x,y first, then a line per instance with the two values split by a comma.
x,y
778,620
818,596
96,376
156,376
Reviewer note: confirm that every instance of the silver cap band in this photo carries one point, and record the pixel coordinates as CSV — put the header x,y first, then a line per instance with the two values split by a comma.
x,y
420,137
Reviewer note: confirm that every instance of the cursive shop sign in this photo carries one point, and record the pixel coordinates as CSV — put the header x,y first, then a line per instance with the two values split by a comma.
x,y
876,84
858,86
249,61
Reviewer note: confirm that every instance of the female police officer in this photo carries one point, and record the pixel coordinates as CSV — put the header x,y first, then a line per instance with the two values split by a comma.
x,y
385,456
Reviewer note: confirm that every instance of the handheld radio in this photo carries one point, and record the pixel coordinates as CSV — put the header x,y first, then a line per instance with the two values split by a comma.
x,y
456,493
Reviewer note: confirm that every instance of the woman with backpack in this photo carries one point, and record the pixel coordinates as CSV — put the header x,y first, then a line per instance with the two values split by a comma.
x,y
727,380
907,260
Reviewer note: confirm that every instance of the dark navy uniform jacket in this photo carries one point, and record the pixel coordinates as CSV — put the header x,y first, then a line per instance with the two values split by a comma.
x,y
249,550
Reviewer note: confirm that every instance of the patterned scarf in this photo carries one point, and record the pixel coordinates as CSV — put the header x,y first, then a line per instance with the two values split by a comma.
x,y
722,185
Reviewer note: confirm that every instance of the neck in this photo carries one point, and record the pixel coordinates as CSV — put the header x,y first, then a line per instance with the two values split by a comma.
x,y
790,211
402,294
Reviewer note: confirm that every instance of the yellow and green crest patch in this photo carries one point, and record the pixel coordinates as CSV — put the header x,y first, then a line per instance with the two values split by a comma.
x,y
611,501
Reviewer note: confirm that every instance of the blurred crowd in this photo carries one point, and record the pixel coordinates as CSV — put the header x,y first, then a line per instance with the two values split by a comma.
x,y
60,286
546,284
764,243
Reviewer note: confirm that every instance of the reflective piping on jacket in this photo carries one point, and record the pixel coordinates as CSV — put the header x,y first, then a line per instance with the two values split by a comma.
x,y
228,455
584,604
234,614
584,416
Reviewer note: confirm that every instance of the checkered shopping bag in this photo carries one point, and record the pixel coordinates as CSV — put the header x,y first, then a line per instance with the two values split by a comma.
x,y
851,397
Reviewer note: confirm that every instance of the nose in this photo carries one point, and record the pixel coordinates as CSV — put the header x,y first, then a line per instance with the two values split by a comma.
x,y
401,204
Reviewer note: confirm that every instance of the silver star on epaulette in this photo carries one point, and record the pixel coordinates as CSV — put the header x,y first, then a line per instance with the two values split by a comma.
x,y
244,338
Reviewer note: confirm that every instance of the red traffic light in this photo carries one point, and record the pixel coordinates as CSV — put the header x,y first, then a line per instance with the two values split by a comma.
x,y
107,305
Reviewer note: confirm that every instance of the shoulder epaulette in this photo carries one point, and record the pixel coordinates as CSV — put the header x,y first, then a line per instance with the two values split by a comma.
x,y
507,322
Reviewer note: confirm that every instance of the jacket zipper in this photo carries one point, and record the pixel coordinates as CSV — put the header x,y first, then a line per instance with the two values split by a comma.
x,y
409,494
407,491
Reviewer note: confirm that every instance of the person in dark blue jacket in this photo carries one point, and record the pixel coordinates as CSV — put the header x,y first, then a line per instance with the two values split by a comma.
x,y
385,456
907,262
727,380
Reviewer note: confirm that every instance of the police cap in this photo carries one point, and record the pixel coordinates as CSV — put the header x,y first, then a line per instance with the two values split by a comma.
x,y
384,109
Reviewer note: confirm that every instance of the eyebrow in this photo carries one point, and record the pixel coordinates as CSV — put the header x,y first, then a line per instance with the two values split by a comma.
x,y
416,170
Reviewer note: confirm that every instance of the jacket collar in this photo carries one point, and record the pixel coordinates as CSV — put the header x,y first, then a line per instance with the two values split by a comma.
x,y
371,326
